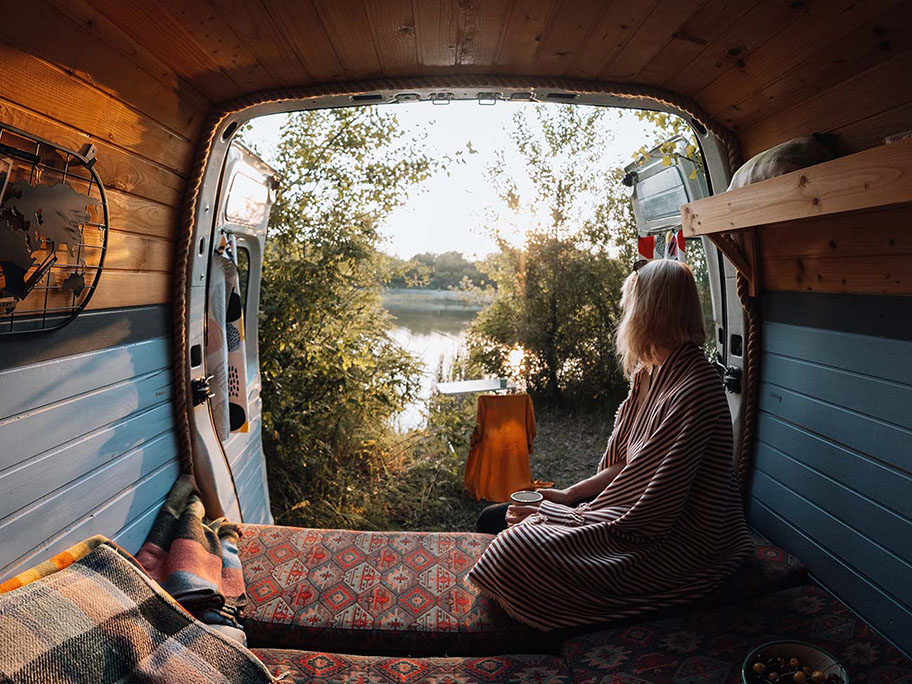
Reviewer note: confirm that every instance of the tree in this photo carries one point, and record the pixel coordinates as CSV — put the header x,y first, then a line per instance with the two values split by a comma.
x,y
558,294
332,375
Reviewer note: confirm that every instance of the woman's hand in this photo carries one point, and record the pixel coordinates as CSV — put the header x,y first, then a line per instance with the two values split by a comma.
x,y
559,496
516,514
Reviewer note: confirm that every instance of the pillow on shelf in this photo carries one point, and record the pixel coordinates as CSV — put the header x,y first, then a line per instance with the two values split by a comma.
x,y
797,153
91,616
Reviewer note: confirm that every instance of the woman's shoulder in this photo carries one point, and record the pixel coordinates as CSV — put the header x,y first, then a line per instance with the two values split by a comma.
x,y
693,377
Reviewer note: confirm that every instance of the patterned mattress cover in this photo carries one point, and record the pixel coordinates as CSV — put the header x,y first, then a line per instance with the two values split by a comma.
x,y
405,593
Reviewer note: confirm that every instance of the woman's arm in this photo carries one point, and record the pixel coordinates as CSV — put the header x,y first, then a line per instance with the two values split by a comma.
x,y
584,489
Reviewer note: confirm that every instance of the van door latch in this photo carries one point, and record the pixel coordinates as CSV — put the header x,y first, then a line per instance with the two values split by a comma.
x,y
200,389
730,375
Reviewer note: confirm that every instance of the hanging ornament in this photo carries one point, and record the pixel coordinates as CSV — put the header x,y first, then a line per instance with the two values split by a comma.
x,y
646,246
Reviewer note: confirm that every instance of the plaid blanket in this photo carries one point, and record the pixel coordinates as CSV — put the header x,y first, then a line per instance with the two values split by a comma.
x,y
196,560
90,616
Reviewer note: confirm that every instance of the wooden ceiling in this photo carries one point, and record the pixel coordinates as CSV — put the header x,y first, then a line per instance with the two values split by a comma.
x,y
746,62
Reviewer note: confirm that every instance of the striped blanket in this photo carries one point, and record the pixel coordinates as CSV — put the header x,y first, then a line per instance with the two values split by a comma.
x,y
196,560
90,616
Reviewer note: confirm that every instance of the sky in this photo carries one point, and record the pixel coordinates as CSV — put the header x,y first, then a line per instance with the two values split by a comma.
x,y
447,212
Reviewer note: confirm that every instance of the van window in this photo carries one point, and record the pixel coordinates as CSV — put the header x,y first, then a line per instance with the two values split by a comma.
x,y
248,201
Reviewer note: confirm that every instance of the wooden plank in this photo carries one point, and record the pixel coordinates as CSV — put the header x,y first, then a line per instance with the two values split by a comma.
x,y
650,38
869,518
479,28
571,26
871,130
207,27
878,357
852,275
257,31
611,35
875,90
874,397
879,441
734,47
822,25
696,35
876,481
121,510
37,431
392,26
40,87
874,604
876,178
163,35
118,169
38,477
116,289
869,233
156,94
300,28
125,252
844,56
46,383
435,31
132,214
879,565
525,26
348,28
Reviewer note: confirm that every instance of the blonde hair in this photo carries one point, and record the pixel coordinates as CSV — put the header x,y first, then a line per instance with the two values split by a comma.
x,y
661,311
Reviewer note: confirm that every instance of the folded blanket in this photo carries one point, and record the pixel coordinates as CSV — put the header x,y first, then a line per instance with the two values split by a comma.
x,y
90,616
194,559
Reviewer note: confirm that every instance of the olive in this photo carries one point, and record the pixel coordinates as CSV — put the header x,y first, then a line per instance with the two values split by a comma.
x,y
759,668
773,676
817,676
799,677
794,662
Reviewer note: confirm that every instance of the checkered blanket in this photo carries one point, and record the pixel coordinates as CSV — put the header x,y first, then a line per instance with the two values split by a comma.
x,y
99,619
194,559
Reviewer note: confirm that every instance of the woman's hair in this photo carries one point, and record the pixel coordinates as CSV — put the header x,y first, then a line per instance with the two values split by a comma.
x,y
661,311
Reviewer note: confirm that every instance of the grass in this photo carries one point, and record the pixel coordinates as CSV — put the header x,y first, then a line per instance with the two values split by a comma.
x,y
423,489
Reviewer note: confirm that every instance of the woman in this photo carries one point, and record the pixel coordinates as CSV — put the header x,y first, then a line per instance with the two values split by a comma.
x,y
665,522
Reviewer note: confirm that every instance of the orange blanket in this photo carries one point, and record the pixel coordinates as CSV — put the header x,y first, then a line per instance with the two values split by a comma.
x,y
498,462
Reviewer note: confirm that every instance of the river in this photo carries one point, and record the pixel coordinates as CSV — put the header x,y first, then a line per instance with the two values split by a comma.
x,y
432,325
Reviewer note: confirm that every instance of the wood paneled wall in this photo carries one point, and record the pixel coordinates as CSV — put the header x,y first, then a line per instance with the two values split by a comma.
x,y
864,253
71,76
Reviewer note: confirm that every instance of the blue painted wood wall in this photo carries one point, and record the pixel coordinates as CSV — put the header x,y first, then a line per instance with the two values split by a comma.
x,y
832,479
87,441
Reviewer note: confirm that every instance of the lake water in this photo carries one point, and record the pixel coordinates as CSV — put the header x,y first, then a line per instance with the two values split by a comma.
x,y
431,324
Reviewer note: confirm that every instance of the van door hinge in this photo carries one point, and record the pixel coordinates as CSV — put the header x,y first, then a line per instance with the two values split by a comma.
x,y
730,375
200,390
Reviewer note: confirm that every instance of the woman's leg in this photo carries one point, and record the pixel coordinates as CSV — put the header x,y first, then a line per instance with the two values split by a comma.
x,y
492,519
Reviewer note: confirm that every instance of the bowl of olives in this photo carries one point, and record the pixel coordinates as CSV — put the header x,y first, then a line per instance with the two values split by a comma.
x,y
791,662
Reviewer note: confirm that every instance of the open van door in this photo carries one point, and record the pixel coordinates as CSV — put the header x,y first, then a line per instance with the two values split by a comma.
x,y
232,302
665,179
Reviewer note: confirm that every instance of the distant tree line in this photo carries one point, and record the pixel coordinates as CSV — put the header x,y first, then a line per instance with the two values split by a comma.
x,y
447,271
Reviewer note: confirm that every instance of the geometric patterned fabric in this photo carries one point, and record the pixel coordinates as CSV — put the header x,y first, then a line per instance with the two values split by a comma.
x,y
370,592
300,667
405,593
708,647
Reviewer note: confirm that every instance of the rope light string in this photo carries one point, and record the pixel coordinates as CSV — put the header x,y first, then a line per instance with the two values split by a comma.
x,y
626,91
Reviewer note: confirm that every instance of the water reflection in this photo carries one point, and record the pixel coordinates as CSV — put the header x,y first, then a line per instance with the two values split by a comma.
x,y
432,325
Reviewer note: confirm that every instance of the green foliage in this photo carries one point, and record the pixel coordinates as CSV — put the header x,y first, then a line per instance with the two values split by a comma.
x,y
558,294
332,376
447,271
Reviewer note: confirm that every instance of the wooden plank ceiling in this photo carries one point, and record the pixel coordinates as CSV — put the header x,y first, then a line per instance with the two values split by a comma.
x,y
749,63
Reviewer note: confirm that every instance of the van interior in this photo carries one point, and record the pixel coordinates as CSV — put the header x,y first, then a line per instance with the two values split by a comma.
x,y
119,127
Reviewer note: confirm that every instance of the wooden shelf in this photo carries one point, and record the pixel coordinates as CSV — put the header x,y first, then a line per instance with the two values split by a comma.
x,y
879,177
873,179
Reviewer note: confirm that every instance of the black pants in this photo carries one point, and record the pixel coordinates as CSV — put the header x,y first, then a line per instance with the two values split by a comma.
x,y
493,519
